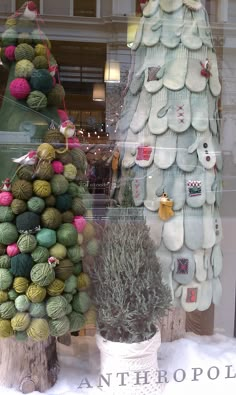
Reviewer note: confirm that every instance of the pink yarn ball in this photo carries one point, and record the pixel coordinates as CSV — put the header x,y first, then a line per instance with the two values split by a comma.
x,y
5,198
79,223
19,88
62,115
10,52
73,142
57,166
12,249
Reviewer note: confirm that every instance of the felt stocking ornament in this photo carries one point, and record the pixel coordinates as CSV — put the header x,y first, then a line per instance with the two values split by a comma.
x,y
130,150
203,27
129,108
201,272
190,36
217,260
138,185
142,112
158,124
151,37
173,232
218,225
214,81
154,181
195,187
199,111
206,295
155,225
210,180
193,227
170,6
172,25
151,8
179,112
195,82
176,68
186,161
209,237
190,295
146,148
217,291
153,73
165,258
184,266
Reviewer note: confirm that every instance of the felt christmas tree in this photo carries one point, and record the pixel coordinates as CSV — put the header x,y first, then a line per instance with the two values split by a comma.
x,y
169,136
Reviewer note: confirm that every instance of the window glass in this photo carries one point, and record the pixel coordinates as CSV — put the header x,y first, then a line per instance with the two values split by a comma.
x,y
85,8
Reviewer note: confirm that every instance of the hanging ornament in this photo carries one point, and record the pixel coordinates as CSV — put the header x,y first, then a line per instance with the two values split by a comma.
x,y
53,261
6,185
67,128
206,67
28,159
30,11
166,208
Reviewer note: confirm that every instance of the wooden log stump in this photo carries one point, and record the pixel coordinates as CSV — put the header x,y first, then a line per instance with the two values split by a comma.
x,y
173,325
28,366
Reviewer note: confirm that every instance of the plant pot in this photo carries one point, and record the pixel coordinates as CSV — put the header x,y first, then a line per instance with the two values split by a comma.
x,y
130,369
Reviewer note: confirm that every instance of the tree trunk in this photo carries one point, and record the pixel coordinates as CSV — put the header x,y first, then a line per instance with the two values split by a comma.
x,y
28,366
173,325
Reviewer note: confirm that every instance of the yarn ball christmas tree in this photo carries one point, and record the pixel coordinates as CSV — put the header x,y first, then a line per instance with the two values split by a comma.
x,y
169,132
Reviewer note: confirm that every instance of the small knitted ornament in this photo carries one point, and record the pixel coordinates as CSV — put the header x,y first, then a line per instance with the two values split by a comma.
x,y
24,51
26,243
37,310
12,294
24,69
89,232
40,254
46,237
37,100
56,96
6,214
22,303
71,284
20,284
59,327
81,302
65,157
44,171
70,172
9,37
77,321
38,330
84,282
79,159
3,296
26,172
5,262
55,138
41,80
67,216
40,62
42,188
77,269
50,201
40,50
8,233
64,270
59,184
92,247
36,205
73,189
22,189
24,38
28,222
56,307
36,293
21,265
20,321
18,206
59,251
42,274
7,310
12,249
5,328
67,235
58,167
56,287
2,249
73,254
46,152
78,207
51,218
19,88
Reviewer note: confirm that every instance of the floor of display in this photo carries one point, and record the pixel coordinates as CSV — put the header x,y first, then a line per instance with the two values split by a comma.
x,y
215,355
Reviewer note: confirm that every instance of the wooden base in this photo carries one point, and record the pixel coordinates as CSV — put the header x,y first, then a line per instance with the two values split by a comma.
x,y
201,322
173,325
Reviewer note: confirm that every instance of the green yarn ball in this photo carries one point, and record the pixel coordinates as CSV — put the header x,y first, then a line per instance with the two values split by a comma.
x,y
24,38
55,138
67,217
59,184
51,218
70,284
18,206
70,172
42,274
56,96
40,62
44,171
28,222
3,296
77,269
50,201
20,321
78,207
6,214
67,235
59,327
24,51
12,294
2,249
41,80
26,243
26,172
7,310
8,233
36,205
42,188
6,279
56,287
37,100
68,297
69,309
22,303
46,237
79,159
92,247
38,329
37,310
64,270
22,189
40,254
73,189
63,202
9,37
81,302
64,157
73,254
24,69
56,307
59,251
5,328
36,293
20,284
21,265
77,321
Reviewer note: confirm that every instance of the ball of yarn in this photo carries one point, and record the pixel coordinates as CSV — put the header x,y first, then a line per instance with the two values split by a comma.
x,y
73,189
37,100
36,293
24,51
40,62
73,142
21,265
71,284
73,253
77,269
69,309
28,222
68,297
24,38
10,22
70,172
3,296
46,237
79,223
56,96
81,302
40,50
36,204
37,310
67,216
10,53
22,303
59,327
24,69
51,218
64,270
57,166
46,152
12,294
59,251
92,247
89,232
42,188
6,279
41,80
56,287
79,158
44,171
56,307
50,201
64,202
77,321
19,88
20,284
5,328
42,274
6,214
78,207
55,138
8,233
65,157
5,262
40,254
67,235
7,310
22,189
27,243
20,321
26,172
9,37
59,184
12,249
84,281
6,198
38,329
2,249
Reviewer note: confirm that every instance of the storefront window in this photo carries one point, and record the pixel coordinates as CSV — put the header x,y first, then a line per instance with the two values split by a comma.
x,y
85,8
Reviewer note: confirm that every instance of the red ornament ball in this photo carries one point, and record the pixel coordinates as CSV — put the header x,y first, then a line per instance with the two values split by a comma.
x,y
10,53
12,249
6,198
57,166
19,88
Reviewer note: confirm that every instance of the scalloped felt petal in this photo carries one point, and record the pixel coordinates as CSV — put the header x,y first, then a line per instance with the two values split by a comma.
x,y
214,81
193,227
210,181
170,5
130,150
141,114
139,185
158,124
217,291
219,157
201,272
209,237
155,225
185,160
154,82
179,112
190,34
173,232
218,225
139,35
165,258
151,36
194,5
205,151
217,260
195,82
212,106
206,295
127,114
176,68
203,27
154,181
174,186
137,84
184,266
172,25
151,8
165,152
199,111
